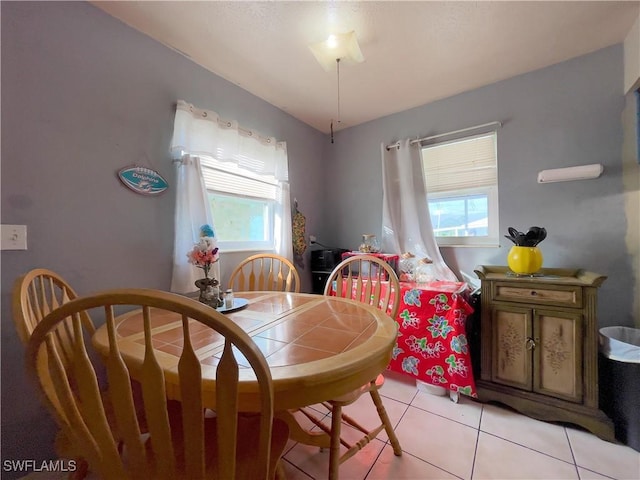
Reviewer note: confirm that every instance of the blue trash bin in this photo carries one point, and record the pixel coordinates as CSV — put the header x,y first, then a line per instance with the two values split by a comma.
x,y
619,365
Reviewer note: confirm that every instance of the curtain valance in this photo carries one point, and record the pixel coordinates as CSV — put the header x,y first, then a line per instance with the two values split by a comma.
x,y
204,133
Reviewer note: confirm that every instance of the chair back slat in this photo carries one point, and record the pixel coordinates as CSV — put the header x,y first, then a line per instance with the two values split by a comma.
x,y
84,418
183,445
226,403
269,269
242,279
349,286
41,309
288,280
121,396
49,294
277,279
155,404
265,271
252,279
359,292
361,278
88,390
190,373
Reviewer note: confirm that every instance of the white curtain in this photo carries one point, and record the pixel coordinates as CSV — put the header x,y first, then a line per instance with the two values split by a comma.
x,y
202,132
283,228
406,225
192,211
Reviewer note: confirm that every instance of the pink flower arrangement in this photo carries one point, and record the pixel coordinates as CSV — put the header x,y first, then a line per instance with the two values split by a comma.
x,y
204,254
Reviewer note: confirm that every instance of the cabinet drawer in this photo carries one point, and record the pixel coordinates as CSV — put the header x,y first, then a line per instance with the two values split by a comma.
x,y
561,295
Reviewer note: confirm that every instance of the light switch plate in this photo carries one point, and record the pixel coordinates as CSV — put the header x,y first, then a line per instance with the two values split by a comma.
x,y
14,237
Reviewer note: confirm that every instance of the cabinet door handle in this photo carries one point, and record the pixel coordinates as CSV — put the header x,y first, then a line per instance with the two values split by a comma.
x,y
530,343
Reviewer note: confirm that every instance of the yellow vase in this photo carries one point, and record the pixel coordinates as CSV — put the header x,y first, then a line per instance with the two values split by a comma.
x,y
524,260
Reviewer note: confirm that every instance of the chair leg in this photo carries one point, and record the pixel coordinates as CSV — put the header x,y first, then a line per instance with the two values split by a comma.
x,y
64,449
280,473
334,449
81,471
382,413
335,459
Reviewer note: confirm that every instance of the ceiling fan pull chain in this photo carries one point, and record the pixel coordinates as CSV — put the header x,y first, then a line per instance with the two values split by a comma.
x,y
338,70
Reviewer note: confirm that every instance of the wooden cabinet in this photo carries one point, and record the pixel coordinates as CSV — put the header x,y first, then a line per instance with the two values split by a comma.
x,y
538,345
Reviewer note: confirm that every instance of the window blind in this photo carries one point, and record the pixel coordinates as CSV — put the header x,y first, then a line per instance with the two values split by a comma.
x,y
461,164
226,177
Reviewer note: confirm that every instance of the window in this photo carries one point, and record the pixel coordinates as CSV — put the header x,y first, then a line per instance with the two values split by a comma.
x,y
461,179
243,205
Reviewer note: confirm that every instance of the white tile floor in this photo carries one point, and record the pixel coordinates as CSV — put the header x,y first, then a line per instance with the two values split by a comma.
x,y
466,440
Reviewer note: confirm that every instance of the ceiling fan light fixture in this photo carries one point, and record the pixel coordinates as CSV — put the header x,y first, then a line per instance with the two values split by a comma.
x,y
332,41
338,46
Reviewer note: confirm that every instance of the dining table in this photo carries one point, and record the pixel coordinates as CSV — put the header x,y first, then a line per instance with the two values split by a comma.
x,y
317,348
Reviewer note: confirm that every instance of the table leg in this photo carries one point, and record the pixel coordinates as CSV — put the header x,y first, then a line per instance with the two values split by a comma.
x,y
299,434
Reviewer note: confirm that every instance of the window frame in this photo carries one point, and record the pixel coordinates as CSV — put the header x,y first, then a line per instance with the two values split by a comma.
x,y
248,245
492,227
492,239
230,168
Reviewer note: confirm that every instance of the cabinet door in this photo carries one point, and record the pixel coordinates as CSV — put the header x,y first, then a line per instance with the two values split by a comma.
x,y
558,354
511,346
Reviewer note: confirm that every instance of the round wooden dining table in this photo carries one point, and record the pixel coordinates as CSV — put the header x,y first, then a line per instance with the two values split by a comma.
x,y
317,347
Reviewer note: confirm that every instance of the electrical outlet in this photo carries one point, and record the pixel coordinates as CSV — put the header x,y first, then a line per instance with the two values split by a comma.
x,y
14,237
312,238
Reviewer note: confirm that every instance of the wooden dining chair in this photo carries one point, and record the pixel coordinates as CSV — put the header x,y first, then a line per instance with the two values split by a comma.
x,y
369,280
366,279
35,295
190,443
265,271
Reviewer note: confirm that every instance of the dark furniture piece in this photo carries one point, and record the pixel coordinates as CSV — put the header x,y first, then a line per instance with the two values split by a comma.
x,y
322,264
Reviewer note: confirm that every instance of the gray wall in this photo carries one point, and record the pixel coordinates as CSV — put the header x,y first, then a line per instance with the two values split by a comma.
x,y
567,114
83,95
631,185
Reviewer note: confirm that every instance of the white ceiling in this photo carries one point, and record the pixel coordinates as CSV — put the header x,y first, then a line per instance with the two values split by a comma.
x,y
415,52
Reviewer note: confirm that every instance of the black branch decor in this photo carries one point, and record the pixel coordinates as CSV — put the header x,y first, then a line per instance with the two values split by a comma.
x,y
532,238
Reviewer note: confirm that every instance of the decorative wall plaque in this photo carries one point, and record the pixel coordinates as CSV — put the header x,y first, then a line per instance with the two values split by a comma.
x,y
142,180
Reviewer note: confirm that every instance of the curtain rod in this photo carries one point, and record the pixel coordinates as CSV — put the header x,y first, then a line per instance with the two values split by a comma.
x,y
423,139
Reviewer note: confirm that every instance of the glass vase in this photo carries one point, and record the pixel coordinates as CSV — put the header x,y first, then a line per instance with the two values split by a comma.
x,y
425,271
407,266
369,244
209,292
